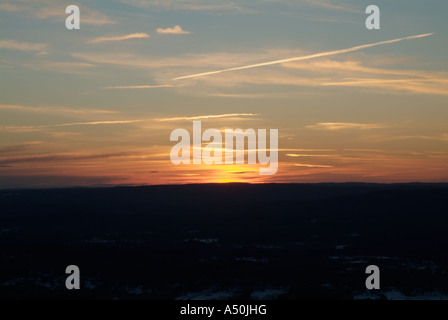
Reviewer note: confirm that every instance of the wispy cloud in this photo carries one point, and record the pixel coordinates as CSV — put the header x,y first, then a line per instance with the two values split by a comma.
x,y
141,87
55,10
62,157
68,65
312,56
22,46
306,165
421,85
214,116
344,67
294,155
440,137
63,110
89,16
18,147
190,5
344,125
121,38
127,59
9,7
175,30
333,73
114,122
69,124
331,5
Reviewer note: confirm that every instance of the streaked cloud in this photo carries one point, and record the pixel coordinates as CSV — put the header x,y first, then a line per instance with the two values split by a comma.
x,y
355,74
328,4
18,147
65,65
69,124
121,38
307,150
345,125
331,73
241,6
422,85
68,67
344,67
106,122
188,5
22,46
141,87
174,30
57,12
9,7
63,110
190,60
311,165
312,56
214,116
294,155
440,137
61,157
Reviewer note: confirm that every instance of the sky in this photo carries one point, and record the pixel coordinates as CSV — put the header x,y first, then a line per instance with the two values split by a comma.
x,y
96,106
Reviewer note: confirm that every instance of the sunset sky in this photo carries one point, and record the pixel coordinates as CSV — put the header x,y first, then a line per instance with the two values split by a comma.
x,y
96,106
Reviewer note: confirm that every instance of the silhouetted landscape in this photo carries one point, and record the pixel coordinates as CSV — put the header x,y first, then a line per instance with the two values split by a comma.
x,y
226,241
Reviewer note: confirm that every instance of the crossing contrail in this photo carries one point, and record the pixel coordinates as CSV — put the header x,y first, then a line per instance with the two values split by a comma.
x,y
312,56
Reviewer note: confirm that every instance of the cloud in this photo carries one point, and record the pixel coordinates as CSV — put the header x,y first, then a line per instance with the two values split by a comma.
x,y
241,6
312,56
215,60
175,30
332,73
311,165
90,123
43,9
9,7
121,38
93,123
422,85
345,125
62,157
189,5
71,67
22,46
18,147
110,122
327,4
442,137
67,65
293,155
88,16
344,67
54,109
216,116
307,150
56,180
141,87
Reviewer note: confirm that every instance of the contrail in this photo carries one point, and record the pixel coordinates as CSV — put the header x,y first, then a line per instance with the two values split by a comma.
x,y
312,56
